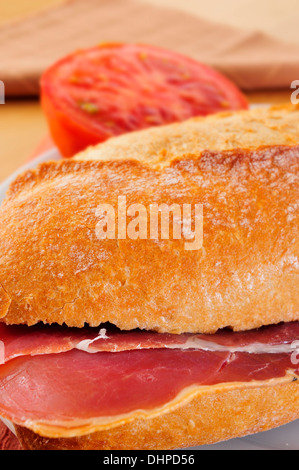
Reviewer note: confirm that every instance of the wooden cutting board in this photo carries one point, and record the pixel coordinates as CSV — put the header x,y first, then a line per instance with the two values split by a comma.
x,y
252,59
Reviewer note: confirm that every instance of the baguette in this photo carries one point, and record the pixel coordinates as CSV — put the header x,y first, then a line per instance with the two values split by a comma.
x,y
154,284
243,168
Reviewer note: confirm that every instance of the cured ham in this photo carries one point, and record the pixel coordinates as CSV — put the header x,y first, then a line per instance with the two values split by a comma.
x,y
62,381
20,340
74,390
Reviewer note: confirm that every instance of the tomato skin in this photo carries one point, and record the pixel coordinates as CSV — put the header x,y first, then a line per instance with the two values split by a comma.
x,y
94,94
68,135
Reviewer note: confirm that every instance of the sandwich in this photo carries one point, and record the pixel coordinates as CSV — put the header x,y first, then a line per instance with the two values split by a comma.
x,y
118,342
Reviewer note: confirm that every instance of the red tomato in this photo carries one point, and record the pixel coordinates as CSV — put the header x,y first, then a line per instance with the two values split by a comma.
x,y
110,89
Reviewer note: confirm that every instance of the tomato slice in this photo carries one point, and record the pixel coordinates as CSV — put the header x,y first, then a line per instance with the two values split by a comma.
x,y
110,89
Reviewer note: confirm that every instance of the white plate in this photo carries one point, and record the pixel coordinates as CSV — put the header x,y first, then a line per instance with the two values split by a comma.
x,y
282,438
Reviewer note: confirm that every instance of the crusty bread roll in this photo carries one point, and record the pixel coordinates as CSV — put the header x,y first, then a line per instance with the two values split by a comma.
x,y
243,167
244,276
219,414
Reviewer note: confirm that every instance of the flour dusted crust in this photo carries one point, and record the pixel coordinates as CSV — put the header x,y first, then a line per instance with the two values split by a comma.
x,y
243,167
157,146
209,418
53,268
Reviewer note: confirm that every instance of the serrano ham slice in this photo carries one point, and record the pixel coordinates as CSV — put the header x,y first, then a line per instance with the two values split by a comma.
x,y
76,390
21,340
52,384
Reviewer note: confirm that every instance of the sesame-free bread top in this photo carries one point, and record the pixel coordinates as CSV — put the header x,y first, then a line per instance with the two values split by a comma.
x,y
157,146
54,268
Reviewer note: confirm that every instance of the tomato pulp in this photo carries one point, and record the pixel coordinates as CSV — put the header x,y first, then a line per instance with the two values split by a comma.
x,y
111,89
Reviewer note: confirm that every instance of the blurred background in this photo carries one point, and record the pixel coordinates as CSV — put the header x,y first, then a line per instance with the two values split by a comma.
x,y
277,17
254,42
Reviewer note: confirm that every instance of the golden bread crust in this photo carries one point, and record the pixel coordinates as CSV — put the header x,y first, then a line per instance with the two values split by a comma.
x,y
54,269
157,146
204,420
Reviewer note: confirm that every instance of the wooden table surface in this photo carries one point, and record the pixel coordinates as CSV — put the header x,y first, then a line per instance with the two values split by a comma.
x,y
22,124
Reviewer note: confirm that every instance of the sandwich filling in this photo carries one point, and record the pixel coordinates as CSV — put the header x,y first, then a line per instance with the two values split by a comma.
x,y
63,382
